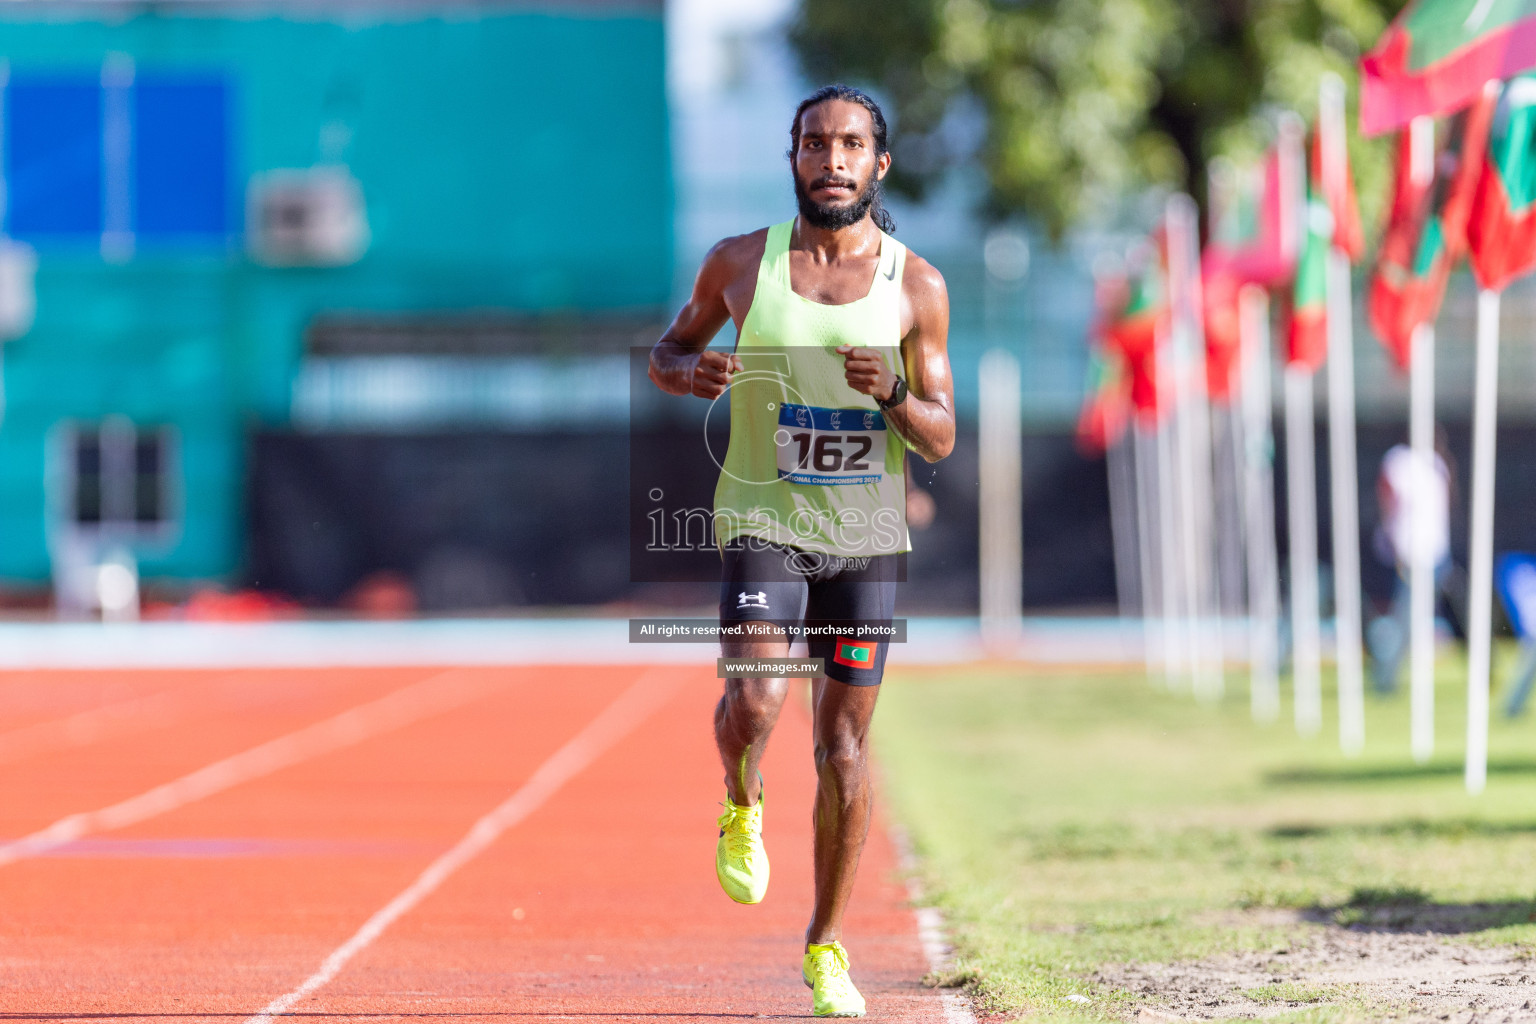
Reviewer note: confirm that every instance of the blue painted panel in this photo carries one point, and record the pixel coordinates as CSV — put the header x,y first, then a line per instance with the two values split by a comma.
x,y
53,155
181,156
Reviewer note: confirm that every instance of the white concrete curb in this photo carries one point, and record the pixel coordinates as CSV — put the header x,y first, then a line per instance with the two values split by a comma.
x,y
448,642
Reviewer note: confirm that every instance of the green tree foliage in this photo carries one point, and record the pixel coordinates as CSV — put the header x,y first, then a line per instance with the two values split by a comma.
x,y
1085,100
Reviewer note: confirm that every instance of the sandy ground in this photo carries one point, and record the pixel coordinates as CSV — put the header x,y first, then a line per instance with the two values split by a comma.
x,y
1392,966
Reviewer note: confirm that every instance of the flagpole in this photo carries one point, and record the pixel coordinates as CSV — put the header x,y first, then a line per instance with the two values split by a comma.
x,y
1343,474
1228,446
1301,501
1194,432
1232,459
1480,610
1149,541
1001,501
1259,505
1170,577
1345,491
1122,524
1421,569
1148,537
1168,368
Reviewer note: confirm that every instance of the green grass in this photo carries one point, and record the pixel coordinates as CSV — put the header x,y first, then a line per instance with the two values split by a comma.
x,y
1290,992
1065,821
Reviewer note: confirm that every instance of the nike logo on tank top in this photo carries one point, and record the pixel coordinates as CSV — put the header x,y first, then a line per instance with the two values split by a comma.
x,y
812,463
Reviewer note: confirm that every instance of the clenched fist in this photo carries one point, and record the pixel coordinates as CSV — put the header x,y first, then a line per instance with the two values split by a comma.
x,y
867,372
712,373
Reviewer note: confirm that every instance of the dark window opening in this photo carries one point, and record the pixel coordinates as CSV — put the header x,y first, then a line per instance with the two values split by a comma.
x,y
121,475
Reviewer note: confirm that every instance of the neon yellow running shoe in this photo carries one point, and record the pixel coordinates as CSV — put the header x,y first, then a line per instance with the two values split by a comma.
x,y
741,863
825,970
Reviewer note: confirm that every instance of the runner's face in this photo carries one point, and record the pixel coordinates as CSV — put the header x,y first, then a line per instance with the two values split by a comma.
x,y
836,165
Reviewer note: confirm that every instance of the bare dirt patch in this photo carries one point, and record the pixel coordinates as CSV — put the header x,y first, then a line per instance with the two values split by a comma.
x,y
1385,974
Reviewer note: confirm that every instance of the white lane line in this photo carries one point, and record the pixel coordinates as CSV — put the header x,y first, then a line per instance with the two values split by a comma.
x,y
431,696
930,931
612,724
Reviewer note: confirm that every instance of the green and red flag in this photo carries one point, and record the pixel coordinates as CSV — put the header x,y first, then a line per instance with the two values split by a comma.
x,y
1220,286
1135,330
1251,235
855,653
1333,219
1443,239
1306,335
1501,232
1342,205
1253,240
1406,296
1436,55
1394,257
1106,410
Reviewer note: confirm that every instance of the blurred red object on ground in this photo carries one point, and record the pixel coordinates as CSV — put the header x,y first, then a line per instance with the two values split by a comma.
x,y
211,605
385,594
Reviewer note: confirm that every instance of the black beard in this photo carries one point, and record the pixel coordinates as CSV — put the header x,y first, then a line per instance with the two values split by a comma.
x,y
831,218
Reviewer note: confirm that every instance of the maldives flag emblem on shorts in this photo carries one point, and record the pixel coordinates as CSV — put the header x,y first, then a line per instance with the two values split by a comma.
x,y
855,654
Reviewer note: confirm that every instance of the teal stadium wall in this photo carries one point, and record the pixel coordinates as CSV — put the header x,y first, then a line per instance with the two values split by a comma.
x,y
511,160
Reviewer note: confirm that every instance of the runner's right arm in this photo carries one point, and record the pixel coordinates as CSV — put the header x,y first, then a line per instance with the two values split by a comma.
x,y
682,362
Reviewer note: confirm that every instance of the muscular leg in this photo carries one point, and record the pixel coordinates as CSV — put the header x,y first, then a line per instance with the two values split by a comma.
x,y
746,716
840,721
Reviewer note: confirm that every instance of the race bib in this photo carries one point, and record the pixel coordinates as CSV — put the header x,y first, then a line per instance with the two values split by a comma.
x,y
830,446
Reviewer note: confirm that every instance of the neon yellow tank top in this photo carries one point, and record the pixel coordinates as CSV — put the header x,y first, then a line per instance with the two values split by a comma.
x,y
812,462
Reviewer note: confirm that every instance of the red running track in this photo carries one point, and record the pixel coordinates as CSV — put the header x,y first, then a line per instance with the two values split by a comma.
x,y
600,904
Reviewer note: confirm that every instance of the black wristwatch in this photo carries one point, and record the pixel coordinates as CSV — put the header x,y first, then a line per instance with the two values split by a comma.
x,y
898,395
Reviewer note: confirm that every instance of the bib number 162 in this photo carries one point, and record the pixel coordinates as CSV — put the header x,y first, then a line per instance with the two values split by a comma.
x,y
829,447
832,453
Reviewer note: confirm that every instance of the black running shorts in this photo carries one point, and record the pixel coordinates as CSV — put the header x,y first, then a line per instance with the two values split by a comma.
x,y
762,582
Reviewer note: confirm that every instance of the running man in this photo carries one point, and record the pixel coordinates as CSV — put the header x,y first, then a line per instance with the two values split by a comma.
x,y
840,366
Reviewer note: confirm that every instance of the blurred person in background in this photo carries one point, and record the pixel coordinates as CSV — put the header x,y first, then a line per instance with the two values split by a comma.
x,y
841,365
922,510
1414,496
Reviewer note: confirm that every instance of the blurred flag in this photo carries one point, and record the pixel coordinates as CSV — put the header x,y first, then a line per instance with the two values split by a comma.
x,y
1219,288
1394,258
1135,328
1252,241
1106,404
1307,331
1107,399
1436,56
1250,231
1443,238
1342,205
1399,304
1501,233
1333,218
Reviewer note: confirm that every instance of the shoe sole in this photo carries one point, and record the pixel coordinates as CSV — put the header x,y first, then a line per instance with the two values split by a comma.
x,y
733,899
824,1016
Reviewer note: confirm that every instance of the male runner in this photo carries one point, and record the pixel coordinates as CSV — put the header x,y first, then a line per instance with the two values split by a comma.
x,y
840,366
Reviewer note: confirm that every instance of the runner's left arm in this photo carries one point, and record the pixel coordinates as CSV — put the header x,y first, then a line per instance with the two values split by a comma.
x,y
926,420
